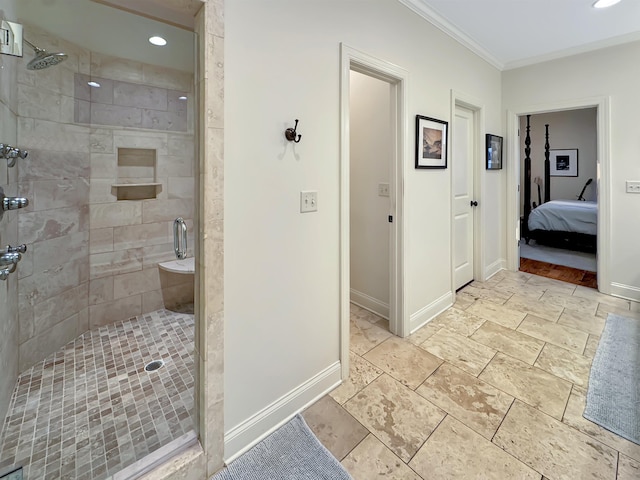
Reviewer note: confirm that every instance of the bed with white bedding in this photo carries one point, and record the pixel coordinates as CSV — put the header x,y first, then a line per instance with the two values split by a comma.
x,y
569,224
565,216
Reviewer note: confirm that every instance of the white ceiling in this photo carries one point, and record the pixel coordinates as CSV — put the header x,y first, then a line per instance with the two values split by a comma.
x,y
513,33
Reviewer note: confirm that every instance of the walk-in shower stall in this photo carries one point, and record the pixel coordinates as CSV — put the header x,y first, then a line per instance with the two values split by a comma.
x,y
97,161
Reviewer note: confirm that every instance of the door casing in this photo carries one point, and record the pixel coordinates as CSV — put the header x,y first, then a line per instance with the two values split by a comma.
x,y
352,59
603,180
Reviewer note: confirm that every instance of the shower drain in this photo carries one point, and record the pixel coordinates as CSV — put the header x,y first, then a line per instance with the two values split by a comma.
x,y
153,366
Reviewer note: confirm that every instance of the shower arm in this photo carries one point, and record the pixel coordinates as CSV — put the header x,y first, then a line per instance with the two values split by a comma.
x,y
36,49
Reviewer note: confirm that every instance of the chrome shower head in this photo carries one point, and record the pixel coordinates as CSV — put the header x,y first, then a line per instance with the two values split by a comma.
x,y
44,59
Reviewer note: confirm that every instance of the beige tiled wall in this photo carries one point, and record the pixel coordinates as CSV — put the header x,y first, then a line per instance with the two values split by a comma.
x,y
54,283
9,334
92,259
128,238
126,104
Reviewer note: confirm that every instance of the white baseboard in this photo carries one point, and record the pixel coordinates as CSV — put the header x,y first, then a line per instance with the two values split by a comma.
x,y
245,435
625,291
428,312
495,267
369,303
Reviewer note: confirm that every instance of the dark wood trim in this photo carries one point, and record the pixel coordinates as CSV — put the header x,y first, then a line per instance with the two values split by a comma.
x,y
527,182
547,166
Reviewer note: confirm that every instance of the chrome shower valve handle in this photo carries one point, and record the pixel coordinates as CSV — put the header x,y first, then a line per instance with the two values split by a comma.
x,y
11,203
19,249
9,258
8,264
14,203
12,153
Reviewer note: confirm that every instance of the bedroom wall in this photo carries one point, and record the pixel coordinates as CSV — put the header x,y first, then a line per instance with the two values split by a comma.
x,y
371,150
567,130
610,72
282,62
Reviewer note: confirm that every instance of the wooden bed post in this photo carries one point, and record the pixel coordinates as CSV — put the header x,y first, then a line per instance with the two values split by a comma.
x,y
527,183
547,167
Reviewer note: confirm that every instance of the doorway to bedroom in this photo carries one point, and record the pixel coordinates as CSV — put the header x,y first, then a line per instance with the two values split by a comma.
x,y
558,203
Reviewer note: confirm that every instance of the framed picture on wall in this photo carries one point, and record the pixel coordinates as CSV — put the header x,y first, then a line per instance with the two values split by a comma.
x,y
494,152
431,142
563,163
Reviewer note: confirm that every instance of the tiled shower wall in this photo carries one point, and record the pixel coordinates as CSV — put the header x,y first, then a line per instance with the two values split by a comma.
x,y
54,273
8,225
129,238
92,259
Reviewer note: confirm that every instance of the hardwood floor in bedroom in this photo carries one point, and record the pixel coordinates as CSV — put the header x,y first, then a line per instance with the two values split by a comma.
x,y
493,388
559,272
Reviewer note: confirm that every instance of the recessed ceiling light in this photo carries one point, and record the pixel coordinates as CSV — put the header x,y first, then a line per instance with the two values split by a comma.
x,y
182,98
93,84
604,3
161,42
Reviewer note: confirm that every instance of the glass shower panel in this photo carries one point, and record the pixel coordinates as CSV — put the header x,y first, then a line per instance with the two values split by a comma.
x,y
99,339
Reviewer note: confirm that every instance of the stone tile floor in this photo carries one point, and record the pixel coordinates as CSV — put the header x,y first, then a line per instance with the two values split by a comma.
x,y
91,409
493,388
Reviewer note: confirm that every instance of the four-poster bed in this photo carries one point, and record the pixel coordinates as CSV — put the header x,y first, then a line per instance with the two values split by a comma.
x,y
570,224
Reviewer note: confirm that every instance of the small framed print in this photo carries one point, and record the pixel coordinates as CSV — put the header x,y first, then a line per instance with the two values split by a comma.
x,y
494,152
563,163
431,142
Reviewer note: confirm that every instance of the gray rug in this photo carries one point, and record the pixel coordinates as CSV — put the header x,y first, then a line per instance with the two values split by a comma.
x,y
290,453
613,396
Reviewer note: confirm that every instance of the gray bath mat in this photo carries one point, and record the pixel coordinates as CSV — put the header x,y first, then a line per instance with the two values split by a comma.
x,y
613,396
290,453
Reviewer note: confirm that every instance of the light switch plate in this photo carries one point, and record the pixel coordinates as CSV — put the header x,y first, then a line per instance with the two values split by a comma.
x,y
383,189
633,186
308,202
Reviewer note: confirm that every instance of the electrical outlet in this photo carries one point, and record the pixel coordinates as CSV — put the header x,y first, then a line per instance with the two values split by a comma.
x,y
633,186
383,189
308,202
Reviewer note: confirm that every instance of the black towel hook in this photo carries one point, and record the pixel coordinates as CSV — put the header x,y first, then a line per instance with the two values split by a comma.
x,y
290,133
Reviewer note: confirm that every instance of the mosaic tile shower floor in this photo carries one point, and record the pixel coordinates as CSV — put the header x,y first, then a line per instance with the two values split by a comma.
x,y
91,409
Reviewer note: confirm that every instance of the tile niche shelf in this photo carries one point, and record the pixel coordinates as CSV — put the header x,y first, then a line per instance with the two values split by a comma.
x,y
136,174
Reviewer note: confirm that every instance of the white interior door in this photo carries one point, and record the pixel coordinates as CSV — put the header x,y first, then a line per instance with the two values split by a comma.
x,y
463,195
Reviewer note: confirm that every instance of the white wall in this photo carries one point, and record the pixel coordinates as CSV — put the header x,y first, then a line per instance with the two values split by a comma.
x,y
370,131
610,72
567,130
282,62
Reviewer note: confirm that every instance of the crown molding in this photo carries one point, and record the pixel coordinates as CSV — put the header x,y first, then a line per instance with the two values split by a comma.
x,y
419,7
568,52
